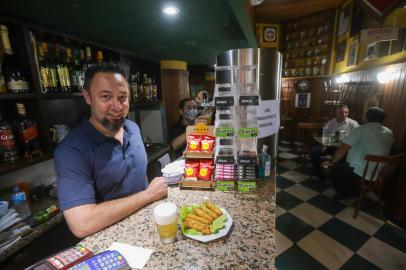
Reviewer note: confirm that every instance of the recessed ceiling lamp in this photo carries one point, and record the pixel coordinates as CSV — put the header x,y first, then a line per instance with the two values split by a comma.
x,y
170,10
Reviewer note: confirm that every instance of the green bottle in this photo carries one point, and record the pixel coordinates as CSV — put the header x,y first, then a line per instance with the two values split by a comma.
x,y
264,163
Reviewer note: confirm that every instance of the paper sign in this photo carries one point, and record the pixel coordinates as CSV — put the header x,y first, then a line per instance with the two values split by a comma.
x,y
136,257
379,34
268,118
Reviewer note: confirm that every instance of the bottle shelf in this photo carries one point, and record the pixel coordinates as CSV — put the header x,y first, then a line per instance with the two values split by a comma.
x,y
23,163
62,95
6,96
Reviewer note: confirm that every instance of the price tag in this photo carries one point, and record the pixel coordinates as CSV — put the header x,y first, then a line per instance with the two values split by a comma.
x,y
224,101
225,185
248,132
249,100
246,186
225,160
223,132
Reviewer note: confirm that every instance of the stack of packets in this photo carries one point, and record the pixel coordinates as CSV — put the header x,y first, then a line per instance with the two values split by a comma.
x,y
199,169
200,143
247,172
173,172
225,172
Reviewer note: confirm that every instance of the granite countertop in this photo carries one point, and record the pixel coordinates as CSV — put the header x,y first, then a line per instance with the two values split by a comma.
x,y
250,244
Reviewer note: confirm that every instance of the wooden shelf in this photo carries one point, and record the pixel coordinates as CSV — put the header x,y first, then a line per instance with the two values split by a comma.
x,y
198,155
193,184
17,96
62,95
306,77
6,168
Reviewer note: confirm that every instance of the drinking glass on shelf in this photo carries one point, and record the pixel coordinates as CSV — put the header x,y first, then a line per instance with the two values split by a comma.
x,y
165,218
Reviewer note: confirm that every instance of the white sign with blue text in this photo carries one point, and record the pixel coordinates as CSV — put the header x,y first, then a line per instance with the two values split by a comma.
x,y
268,118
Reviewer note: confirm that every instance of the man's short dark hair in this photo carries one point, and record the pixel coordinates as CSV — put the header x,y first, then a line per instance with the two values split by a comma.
x,y
183,101
342,106
375,114
96,68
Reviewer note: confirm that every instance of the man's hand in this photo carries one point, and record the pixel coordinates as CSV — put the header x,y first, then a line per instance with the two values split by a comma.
x,y
200,119
157,189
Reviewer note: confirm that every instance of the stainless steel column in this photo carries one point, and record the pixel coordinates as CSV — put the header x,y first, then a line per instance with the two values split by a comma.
x,y
269,78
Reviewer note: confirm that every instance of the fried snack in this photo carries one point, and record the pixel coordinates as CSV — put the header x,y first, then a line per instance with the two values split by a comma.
x,y
203,214
196,225
214,208
209,212
197,218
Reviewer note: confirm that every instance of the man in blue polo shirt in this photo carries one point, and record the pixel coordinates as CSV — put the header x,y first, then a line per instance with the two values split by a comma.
x,y
101,165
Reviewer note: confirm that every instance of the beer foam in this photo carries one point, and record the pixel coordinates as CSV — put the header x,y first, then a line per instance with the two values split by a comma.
x,y
165,213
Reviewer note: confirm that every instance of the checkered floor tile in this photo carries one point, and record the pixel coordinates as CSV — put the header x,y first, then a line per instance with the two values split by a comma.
x,y
316,231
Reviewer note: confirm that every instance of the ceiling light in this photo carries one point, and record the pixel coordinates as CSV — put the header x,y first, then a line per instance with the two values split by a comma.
x,y
342,79
170,10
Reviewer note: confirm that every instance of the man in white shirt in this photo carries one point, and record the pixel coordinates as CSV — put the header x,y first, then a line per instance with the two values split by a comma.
x,y
371,138
341,123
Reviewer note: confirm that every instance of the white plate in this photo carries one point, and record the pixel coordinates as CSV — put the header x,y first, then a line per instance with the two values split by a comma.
x,y
223,232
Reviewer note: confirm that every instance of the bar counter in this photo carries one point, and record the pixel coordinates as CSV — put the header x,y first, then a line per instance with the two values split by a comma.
x,y
250,243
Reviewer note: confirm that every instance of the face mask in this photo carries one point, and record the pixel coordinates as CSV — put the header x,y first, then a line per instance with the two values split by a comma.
x,y
190,115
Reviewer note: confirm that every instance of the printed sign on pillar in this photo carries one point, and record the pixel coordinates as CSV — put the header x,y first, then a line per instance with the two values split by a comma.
x,y
268,118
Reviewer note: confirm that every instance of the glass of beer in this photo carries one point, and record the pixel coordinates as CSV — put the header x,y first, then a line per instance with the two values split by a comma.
x,y
165,217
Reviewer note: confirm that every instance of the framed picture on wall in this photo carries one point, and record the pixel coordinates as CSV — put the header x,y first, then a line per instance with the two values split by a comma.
x,y
353,53
302,100
270,34
341,51
370,52
344,20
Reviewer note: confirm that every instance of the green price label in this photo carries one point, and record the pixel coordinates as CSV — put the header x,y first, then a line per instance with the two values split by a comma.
x,y
246,186
248,132
224,132
225,185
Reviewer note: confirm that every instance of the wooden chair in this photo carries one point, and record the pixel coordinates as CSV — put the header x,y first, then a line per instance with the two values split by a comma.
x,y
383,166
306,132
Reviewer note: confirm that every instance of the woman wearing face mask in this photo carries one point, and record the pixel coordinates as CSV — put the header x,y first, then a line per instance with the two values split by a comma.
x,y
188,116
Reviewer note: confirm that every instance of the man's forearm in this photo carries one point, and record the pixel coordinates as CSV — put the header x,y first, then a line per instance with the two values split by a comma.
x,y
178,141
340,152
88,219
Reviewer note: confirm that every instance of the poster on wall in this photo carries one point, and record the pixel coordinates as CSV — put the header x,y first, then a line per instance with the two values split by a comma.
x,y
344,20
268,35
302,100
268,117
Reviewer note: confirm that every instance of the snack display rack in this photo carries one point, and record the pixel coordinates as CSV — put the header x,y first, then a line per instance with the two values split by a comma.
x,y
236,128
199,157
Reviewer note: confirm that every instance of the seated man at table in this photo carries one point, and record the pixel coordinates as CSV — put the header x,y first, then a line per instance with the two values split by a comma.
x,y
341,123
371,138
101,165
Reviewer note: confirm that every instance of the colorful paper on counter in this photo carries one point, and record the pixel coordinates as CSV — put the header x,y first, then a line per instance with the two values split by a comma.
x,y
136,257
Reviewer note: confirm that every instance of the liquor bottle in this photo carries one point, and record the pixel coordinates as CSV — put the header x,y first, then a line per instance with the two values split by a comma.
x,y
99,57
147,90
81,70
67,69
44,71
28,133
141,95
154,88
8,149
134,88
63,73
15,78
3,88
52,73
72,70
88,60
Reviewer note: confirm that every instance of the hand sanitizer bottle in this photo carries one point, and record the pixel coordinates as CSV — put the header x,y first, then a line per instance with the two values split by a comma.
x,y
264,163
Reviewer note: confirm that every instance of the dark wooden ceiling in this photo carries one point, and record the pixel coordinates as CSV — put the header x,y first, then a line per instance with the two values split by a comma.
x,y
282,10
